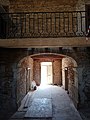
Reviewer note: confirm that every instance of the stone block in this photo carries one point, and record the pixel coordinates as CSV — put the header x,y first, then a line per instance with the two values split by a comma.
x,y
40,108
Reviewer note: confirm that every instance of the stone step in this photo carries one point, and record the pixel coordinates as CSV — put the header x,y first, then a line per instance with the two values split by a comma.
x,y
27,100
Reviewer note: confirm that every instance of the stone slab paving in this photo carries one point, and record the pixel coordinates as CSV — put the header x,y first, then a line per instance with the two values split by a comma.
x,y
62,106
40,108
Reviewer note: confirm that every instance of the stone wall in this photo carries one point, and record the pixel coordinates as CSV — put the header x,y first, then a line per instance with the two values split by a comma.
x,y
37,72
38,5
21,84
4,2
84,74
8,64
56,72
86,84
7,95
47,5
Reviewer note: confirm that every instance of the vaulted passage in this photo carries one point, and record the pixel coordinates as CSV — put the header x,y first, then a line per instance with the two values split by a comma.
x,y
47,69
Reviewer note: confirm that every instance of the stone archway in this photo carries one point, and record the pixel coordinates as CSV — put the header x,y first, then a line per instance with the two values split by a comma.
x,y
29,69
24,77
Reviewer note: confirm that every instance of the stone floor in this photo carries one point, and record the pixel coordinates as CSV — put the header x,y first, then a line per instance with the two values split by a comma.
x,y
40,108
59,104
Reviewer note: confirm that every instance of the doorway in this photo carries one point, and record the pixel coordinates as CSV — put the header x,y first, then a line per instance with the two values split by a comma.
x,y
46,73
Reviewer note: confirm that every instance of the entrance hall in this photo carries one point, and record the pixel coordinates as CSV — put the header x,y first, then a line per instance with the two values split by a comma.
x,y
44,59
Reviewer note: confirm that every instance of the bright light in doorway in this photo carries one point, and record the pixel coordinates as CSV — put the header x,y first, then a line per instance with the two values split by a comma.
x,y
42,86
46,73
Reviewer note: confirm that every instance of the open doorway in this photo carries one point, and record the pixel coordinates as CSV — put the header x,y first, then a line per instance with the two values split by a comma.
x,y
46,73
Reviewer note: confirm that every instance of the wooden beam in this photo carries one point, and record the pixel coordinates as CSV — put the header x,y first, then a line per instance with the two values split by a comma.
x,y
45,42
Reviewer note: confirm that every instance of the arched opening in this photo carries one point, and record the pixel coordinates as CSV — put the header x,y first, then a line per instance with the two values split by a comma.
x,y
45,68
24,77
